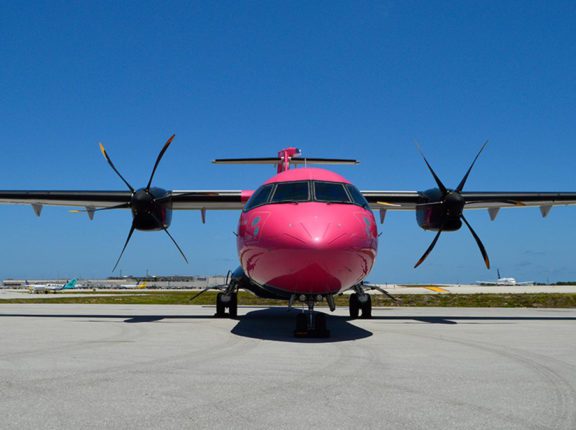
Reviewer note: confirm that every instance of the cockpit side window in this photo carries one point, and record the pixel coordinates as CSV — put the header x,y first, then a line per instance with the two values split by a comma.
x,y
331,192
260,197
357,196
291,192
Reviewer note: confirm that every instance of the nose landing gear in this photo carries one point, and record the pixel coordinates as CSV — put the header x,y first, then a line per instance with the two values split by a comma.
x,y
310,324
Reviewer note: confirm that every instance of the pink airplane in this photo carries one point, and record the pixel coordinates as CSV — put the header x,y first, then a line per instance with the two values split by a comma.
x,y
306,235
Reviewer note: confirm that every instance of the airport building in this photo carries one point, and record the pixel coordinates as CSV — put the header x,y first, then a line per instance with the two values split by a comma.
x,y
152,282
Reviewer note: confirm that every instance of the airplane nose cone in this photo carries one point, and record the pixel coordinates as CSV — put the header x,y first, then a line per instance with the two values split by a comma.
x,y
316,254
314,234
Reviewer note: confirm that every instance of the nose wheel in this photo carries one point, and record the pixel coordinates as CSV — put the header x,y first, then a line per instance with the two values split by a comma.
x,y
310,324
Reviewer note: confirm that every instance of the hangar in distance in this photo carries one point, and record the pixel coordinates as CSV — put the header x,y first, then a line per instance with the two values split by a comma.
x,y
306,234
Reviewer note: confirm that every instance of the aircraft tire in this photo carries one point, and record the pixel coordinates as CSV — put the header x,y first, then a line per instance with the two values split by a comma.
x,y
322,326
301,323
367,307
354,305
220,307
233,306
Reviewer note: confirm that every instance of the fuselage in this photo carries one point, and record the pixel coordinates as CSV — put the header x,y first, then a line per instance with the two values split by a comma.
x,y
307,231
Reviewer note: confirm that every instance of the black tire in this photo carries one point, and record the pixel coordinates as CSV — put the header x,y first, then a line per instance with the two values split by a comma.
x,y
233,306
301,322
354,305
320,323
367,307
220,308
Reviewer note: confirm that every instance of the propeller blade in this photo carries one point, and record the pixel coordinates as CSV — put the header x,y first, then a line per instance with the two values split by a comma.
x,y
386,293
132,228
170,236
105,154
479,242
214,287
465,178
195,296
175,243
436,178
430,248
166,145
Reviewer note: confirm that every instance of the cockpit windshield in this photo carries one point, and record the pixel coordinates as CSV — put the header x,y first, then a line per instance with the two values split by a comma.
x,y
357,196
291,192
306,191
331,192
260,197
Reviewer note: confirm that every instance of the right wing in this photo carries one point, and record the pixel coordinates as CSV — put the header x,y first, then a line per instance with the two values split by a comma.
x,y
410,200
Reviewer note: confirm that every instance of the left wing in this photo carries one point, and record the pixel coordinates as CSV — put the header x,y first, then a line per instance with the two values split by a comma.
x,y
181,199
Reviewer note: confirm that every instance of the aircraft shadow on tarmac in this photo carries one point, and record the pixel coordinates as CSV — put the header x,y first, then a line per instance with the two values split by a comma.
x,y
278,324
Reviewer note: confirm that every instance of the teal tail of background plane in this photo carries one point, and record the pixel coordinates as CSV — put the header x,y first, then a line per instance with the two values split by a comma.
x,y
70,284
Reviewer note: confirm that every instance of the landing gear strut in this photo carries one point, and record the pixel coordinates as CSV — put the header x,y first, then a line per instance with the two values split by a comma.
x,y
360,301
311,324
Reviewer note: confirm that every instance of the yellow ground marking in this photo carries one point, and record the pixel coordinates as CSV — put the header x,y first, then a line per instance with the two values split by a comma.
x,y
437,289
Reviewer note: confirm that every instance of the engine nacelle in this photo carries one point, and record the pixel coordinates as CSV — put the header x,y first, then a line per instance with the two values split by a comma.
x,y
151,209
438,212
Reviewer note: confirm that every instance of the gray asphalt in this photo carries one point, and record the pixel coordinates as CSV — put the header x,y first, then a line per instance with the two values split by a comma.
x,y
166,367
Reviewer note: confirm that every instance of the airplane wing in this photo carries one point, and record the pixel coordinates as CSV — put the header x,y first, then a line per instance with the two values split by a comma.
x,y
235,199
409,200
91,200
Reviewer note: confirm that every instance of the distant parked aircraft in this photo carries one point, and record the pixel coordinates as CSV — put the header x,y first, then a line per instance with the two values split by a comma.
x,y
505,282
52,288
139,284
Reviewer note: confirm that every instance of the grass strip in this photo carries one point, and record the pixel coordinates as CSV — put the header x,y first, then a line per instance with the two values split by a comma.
x,y
539,300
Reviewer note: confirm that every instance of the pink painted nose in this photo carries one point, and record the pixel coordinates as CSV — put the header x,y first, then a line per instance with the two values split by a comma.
x,y
315,255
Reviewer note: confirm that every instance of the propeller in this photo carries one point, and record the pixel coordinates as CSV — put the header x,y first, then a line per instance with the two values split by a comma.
x,y
146,204
214,287
452,204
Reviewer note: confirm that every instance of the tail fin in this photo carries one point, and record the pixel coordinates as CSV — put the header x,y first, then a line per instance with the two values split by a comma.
x,y
285,159
70,284
142,285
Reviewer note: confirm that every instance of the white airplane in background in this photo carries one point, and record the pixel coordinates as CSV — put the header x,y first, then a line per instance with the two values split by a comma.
x,y
505,282
51,288
138,285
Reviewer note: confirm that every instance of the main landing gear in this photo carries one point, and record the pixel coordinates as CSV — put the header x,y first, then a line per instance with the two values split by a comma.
x,y
310,324
227,300
360,301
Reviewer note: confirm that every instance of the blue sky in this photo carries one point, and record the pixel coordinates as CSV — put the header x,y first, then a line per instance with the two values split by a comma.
x,y
351,79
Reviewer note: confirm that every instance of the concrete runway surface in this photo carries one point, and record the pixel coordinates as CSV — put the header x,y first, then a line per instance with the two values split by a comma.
x,y
167,367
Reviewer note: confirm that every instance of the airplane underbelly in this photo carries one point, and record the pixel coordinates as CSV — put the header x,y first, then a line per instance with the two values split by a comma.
x,y
302,271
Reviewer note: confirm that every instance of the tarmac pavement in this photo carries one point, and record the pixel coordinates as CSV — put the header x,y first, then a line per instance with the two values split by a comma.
x,y
166,367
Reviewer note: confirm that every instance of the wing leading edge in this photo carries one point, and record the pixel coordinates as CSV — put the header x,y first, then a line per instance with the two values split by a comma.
x,y
410,200
235,199
181,199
